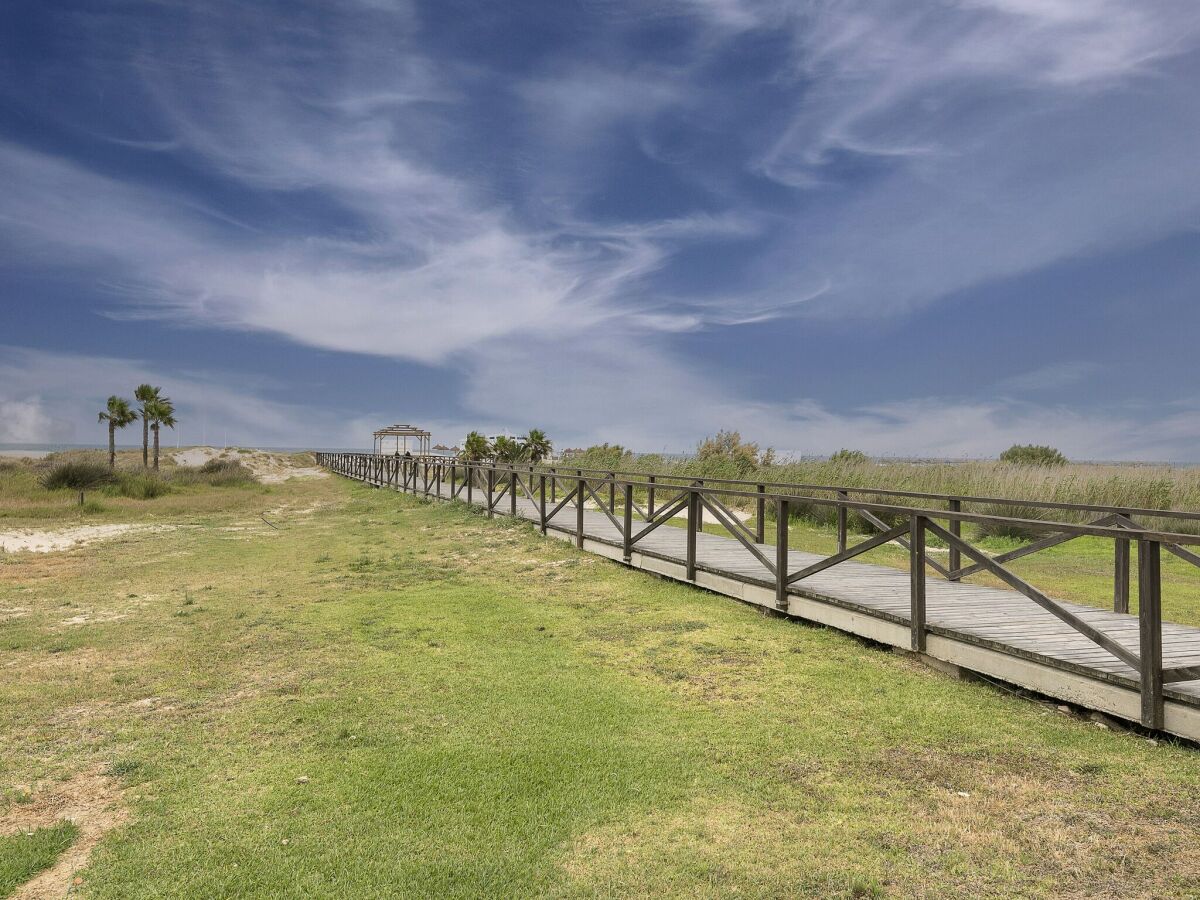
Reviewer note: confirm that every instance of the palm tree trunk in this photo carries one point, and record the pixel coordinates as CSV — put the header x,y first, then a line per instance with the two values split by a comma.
x,y
112,444
156,448
145,438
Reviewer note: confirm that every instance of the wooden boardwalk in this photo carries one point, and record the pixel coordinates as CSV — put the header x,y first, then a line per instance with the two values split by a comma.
x,y
993,631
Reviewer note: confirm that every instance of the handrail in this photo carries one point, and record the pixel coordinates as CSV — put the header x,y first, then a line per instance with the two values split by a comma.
x,y
1191,515
1123,533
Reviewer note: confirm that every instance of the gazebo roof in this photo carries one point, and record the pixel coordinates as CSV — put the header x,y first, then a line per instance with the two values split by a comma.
x,y
402,431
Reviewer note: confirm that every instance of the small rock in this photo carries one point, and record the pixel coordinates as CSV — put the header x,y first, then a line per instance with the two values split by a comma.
x,y
303,779
1064,709
1153,742
285,842
963,793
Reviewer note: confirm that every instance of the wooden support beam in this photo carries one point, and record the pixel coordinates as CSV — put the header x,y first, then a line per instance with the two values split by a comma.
x,y
781,556
1150,632
916,563
693,508
627,522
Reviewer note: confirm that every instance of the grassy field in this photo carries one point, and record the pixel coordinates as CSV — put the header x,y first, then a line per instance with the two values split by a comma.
x,y
380,697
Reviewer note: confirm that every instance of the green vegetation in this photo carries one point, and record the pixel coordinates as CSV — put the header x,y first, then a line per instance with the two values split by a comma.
x,y
25,854
47,489
727,456
727,452
476,448
1032,455
159,412
118,414
76,474
537,445
846,457
389,697
146,394
606,456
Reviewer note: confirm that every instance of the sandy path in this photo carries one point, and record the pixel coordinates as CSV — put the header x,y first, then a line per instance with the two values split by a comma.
x,y
47,541
268,468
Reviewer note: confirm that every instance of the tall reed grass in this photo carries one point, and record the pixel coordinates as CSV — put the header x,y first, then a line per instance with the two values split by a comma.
x,y
1124,486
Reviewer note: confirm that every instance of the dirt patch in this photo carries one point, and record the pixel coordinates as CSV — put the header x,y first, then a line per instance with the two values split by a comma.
x,y
92,801
49,541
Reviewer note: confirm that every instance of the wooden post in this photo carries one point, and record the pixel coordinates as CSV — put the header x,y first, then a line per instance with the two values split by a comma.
x,y
579,512
491,481
542,501
512,493
554,486
627,523
781,555
453,480
650,497
843,497
916,562
955,562
612,493
437,479
699,510
1150,632
760,515
693,505
470,483
1121,575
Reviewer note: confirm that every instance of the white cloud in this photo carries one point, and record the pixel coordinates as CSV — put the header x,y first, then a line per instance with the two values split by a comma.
x,y
48,397
629,391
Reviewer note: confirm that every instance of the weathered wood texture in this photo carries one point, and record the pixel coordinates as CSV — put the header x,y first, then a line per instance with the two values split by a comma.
x,y
1156,664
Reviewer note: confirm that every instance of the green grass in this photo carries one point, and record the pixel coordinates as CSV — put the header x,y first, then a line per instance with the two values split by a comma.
x,y
391,698
25,854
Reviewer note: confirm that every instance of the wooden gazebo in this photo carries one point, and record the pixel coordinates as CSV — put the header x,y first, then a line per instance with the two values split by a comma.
x,y
403,434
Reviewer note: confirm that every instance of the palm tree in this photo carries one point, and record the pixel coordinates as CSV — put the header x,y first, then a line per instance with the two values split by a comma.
x,y
476,448
117,414
507,450
537,445
146,394
160,412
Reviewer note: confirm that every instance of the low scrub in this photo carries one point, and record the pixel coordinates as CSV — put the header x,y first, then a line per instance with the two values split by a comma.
x,y
216,473
138,485
77,475
1033,455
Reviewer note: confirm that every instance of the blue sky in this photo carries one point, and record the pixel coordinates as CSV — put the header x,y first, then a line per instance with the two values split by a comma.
x,y
917,228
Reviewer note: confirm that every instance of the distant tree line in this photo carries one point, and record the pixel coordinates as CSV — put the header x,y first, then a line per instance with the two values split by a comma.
x,y
155,411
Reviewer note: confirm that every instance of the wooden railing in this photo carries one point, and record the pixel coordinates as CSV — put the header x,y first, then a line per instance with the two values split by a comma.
x,y
555,489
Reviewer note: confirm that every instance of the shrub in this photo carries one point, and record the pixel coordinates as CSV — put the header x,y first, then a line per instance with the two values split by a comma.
x,y
599,456
727,454
215,472
139,485
77,475
846,457
1032,455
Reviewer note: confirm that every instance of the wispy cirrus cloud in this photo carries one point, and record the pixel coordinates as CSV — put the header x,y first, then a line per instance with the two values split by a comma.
x,y
370,179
